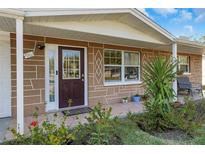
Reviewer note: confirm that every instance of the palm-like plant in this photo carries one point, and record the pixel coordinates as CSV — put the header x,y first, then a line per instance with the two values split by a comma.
x,y
158,75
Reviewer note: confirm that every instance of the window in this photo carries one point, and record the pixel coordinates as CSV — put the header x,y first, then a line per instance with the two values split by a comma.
x,y
51,56
71,64
113,65
121,66
131,65
183,64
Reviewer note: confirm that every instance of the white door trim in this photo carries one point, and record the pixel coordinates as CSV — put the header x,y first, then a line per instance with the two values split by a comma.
x,y
54,48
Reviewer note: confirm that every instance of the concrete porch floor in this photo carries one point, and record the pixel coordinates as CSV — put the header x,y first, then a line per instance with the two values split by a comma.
x,y
118,109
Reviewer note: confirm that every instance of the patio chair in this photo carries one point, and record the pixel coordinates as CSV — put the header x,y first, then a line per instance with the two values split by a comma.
x,y
184,84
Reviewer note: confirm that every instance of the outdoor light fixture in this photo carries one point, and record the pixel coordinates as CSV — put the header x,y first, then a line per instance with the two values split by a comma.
x,y
40,46
30,54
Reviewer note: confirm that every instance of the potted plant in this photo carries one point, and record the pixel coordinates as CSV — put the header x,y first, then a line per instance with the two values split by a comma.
x,y
180,73
125,100
136,98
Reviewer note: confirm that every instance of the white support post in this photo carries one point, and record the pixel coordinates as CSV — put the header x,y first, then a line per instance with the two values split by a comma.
x,y
19,76
174,55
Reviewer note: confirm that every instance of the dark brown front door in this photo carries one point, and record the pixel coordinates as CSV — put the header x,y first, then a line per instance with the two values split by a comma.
x,y
71,76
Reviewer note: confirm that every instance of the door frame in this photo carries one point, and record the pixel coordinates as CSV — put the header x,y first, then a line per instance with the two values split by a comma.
x,y
55,48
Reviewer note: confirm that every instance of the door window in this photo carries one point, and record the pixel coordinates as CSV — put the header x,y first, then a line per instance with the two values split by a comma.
x,y
51,77
71,64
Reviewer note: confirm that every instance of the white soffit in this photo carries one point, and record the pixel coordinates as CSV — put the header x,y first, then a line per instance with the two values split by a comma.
x,y
108,28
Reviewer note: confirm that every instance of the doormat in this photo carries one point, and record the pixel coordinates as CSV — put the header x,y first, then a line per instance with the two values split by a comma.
x,y
77,111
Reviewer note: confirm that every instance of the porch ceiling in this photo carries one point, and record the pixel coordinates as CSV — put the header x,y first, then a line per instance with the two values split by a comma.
x,y
85,36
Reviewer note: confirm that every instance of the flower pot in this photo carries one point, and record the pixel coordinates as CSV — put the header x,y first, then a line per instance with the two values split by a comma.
x,y
124,101
136,99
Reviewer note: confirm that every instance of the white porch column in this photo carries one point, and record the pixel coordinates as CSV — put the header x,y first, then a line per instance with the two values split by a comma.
x,y
19,76
174,55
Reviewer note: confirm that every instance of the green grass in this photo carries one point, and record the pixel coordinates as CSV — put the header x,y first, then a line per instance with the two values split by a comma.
x,y
200,139
130,134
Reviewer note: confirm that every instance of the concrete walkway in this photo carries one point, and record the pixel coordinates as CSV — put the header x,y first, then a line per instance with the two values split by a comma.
x,y
118,109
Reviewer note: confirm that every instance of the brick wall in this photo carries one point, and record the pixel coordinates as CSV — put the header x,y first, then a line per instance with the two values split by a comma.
x,y
34,78
97,92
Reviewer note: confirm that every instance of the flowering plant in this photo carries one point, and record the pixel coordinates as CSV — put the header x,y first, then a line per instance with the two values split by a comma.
x,y
45,133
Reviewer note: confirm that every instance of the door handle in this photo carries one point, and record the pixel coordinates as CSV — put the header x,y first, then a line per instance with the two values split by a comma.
x,y
82,76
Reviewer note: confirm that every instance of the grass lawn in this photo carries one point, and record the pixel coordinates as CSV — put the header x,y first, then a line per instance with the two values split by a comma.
x,y
130,134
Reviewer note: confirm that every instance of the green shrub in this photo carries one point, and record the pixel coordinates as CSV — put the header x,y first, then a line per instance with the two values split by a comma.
x,y
46,133
151,123
158,75
99,129
188,118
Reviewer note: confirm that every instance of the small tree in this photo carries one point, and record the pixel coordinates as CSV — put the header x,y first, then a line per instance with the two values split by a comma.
x,y
158,75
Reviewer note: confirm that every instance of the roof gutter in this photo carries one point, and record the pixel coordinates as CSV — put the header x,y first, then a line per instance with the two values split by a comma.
x,y
59,12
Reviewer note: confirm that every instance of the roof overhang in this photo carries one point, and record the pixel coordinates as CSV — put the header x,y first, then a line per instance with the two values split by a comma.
x,y
190,43
191,46
62,12
12,13
134,14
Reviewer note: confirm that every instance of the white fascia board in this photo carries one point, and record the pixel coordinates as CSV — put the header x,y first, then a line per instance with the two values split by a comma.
x,y
152,24
59,12
12,13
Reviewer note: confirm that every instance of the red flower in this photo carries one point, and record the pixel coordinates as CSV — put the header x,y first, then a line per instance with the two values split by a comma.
x,y
34,123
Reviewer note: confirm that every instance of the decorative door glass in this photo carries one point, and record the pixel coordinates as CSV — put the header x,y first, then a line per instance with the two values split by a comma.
x,y
51,76
71,64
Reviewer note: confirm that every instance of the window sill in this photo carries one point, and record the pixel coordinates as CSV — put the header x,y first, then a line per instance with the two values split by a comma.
x,y
122,83
184,74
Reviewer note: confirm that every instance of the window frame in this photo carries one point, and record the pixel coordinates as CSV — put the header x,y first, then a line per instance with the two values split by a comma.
x,y
122,81
188,64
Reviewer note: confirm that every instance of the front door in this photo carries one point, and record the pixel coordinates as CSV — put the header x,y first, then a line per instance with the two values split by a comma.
x,y
71,77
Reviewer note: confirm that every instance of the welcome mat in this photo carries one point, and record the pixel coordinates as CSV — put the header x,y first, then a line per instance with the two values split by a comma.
x,y
77,111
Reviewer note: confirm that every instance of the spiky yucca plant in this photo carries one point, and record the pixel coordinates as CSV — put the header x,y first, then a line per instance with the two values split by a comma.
x,y
158,75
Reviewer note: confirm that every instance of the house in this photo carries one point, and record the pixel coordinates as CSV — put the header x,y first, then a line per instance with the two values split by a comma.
x,y
52,57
